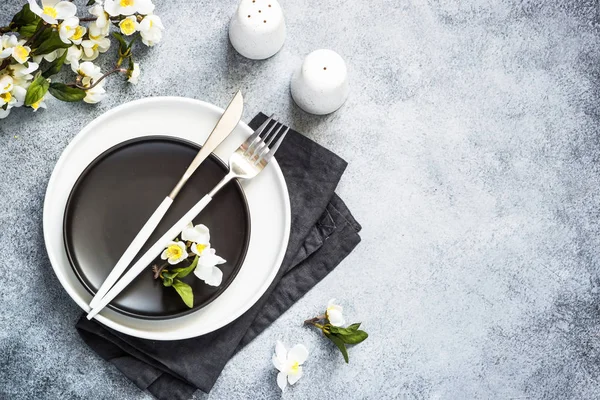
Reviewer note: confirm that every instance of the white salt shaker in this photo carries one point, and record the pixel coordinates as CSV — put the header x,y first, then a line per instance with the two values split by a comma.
x,y
257,29
320,85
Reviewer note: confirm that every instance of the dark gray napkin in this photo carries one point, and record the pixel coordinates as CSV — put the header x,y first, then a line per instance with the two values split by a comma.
x,y
323,233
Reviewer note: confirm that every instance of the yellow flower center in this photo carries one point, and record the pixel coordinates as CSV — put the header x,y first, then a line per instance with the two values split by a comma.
x,y
20,52
126,3
78,33
200,247
151,23
95,47
174,251
127,26
51,11
6,97
295,367
36,105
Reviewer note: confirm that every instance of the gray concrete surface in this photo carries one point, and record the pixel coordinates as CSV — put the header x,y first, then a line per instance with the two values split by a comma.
x,y
472,139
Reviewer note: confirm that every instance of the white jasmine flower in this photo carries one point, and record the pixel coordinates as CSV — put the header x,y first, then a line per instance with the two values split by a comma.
x,y
101,16
334,313
23,72
199,235
86,70
4,113
174,253
6,87
129,25
74,54
7,43
134,75
96,44
49,56
11,95
151,29
95,94
128,7
67,29
288,363
90,74
20,53
206,269
77,37
53,10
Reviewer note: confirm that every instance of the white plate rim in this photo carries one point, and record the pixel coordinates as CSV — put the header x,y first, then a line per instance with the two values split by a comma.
x,y
106,319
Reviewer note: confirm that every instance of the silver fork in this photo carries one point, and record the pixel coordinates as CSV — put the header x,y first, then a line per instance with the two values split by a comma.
x,y
245,163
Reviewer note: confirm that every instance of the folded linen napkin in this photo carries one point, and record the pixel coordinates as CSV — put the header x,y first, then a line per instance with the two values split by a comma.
x,y
323,233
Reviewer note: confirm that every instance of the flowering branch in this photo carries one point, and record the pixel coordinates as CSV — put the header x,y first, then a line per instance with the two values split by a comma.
x,y
97,81
331,324
194,251
39,41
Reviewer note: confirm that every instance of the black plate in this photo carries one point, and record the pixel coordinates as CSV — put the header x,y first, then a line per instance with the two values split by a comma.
x,y
115,196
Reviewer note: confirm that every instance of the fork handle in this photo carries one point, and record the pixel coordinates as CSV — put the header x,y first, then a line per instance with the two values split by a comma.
x,y
157,248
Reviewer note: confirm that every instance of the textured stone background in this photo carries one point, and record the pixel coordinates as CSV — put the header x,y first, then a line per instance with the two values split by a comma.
x,y
472,137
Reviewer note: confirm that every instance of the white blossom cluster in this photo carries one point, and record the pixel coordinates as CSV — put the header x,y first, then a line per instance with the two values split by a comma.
x,y
43,37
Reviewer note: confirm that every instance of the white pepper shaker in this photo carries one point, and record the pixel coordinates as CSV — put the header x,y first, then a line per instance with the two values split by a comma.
x,y
257,29
320,85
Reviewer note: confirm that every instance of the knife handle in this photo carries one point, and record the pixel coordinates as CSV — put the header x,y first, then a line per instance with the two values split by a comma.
x,y
149,256
132,250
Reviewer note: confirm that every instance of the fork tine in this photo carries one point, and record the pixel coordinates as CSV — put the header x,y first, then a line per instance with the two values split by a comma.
x,y
267,138
274,136
268,155
250,142
276,145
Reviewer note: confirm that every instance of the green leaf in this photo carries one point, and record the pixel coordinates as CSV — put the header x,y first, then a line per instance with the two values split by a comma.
x,y
340,345
354,327
90,3
183,272
53,42
344,331
66,93
168,278
37,90
55,66
122,44
354,338
28,30
42,37
185,291
24,17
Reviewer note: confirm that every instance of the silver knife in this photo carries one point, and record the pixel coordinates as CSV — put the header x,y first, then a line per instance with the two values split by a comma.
x,y
226,124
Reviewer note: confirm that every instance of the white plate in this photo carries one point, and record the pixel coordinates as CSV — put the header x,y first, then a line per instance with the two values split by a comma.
x,y
192,120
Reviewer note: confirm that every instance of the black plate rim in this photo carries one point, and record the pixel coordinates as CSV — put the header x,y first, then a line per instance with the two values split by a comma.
x,y
222,288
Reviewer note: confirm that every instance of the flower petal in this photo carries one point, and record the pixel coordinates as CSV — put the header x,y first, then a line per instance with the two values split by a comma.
x,y
298,353
34,7
335,317
215,278
111,7
276,363
293,378
65,9
144,6
281,352
281,381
